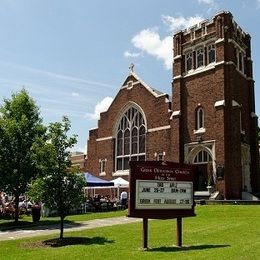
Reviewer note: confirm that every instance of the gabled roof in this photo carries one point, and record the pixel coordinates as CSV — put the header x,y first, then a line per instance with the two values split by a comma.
x,y
136,79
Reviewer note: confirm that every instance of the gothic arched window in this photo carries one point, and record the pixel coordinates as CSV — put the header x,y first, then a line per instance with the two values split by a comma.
x,y
202,157
130,139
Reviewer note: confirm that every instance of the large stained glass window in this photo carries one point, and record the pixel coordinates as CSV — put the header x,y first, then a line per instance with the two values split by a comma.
x,y
130,139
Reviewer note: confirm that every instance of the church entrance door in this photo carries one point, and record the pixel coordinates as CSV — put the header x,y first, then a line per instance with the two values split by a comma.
x,y
202,156
201,177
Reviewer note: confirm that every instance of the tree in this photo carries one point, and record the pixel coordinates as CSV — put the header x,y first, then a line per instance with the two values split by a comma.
x,y
20,127
61,188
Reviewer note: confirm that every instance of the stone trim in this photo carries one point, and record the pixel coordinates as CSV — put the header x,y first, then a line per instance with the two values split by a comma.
x,y
210,67
158,128
130,84
104,138
133,84
219,40
199,131
175,114
177,77
201,69
204,142
177,57
219,103
190,150
167,100
120,173
235,104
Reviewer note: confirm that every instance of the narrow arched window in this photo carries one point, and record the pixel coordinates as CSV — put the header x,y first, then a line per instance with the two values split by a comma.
x,y
127,142
199,118
130,139
134,142
120,142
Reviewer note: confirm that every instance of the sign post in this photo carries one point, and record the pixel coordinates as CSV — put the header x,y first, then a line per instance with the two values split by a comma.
x,y
179,232
145,233
161,190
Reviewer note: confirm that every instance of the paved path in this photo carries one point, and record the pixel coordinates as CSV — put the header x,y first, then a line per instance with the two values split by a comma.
x,y
52,229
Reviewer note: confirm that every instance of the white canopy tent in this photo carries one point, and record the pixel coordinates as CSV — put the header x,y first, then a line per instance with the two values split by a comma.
x,y
120,182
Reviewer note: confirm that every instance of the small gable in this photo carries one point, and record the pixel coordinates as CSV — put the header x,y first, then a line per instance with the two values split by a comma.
x,y
133,79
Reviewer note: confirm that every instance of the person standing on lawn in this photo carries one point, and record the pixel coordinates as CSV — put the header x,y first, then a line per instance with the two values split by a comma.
x,y
123,199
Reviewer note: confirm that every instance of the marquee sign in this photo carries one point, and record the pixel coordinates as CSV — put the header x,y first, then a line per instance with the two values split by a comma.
x,y
161,190
163,195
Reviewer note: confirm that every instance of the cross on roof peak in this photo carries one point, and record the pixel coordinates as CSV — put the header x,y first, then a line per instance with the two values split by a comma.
x,y
131,68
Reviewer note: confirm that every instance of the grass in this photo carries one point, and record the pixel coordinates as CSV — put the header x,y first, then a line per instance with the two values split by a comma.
x,y
217,232
26,221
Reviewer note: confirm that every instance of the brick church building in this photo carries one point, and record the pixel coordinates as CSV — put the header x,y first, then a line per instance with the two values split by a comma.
x,y
209,120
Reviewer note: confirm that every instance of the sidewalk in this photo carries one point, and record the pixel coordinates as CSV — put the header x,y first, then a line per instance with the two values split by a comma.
x,y
52,229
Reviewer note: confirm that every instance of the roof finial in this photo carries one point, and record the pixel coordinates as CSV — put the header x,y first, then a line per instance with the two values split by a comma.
x,y
131,68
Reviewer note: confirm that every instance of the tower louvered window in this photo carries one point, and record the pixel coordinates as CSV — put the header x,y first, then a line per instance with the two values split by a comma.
x,y
200,58
211,53
188,61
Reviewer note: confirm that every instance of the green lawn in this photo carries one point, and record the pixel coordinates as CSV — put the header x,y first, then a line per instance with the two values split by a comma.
x,y
7,224
218,232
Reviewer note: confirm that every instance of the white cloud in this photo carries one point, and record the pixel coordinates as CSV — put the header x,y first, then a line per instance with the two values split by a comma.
x,y
75,94
207,2
179,23
128,54
48,74
212,5
149,41
258,4
100,107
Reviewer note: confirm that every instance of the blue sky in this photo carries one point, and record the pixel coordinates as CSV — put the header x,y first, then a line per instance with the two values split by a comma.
x,y
72,56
